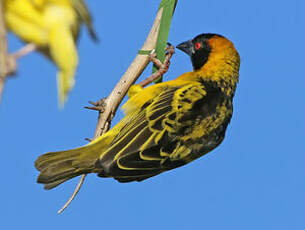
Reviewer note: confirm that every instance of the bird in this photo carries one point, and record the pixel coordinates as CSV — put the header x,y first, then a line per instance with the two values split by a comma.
x,y
53,26
166,125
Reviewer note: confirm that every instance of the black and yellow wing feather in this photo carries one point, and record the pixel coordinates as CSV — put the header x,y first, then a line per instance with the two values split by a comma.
x,y
154,137
166,126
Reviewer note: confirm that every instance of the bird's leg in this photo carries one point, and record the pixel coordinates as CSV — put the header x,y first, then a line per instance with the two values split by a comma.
x,y
99,105
153,58
163,67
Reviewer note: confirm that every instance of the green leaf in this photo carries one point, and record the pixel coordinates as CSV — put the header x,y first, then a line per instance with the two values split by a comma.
x,y
168,10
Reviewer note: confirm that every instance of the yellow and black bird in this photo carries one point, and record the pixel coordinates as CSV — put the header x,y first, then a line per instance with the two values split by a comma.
x,y
53,26
166,125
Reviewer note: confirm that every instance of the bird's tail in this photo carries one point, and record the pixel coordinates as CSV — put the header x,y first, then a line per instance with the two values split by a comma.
x,y
58,167
82,11
65,82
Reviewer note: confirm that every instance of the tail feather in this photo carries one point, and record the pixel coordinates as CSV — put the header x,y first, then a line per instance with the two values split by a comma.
x,y
58,167
66,82
51,185
81,8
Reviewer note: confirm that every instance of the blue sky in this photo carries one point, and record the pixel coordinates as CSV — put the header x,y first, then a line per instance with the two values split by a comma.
x,y
254,180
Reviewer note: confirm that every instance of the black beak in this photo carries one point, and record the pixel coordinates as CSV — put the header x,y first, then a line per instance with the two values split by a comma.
x,y
186,47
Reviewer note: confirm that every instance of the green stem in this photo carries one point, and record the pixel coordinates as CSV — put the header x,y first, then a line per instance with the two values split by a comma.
x,y
168,10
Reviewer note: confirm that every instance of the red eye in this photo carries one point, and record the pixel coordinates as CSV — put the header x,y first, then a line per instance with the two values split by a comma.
x,y
197,46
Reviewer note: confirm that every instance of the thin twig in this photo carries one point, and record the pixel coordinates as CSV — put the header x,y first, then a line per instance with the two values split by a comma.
x,y
113,101
3,50
80,183
98,106
25,50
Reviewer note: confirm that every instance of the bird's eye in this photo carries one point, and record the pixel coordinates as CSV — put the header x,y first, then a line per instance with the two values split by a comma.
x,y
197,45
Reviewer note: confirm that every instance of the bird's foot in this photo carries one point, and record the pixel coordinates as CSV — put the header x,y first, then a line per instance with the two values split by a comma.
x,y
163,67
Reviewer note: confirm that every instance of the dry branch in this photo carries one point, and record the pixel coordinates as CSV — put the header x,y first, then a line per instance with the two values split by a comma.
x,y
8,63
113,101
130,76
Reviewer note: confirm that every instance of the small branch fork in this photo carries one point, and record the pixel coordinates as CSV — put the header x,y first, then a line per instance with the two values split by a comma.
x,y
8,63
11,63
13,58
98,106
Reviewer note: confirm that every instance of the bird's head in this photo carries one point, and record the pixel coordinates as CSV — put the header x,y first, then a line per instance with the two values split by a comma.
x,y
206,47
214,57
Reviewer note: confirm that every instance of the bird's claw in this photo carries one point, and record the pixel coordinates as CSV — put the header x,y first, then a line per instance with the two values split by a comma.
x,y
162,67
170,49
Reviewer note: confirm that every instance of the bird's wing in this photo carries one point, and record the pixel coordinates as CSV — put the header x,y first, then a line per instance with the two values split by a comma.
x,y
85,16
148,142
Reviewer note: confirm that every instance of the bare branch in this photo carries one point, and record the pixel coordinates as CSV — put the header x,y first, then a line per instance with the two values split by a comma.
x,y
8,63
130,76
113,101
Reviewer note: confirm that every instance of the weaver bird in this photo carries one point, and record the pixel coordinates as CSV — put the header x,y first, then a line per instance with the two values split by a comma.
x,y
53,26
166,125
